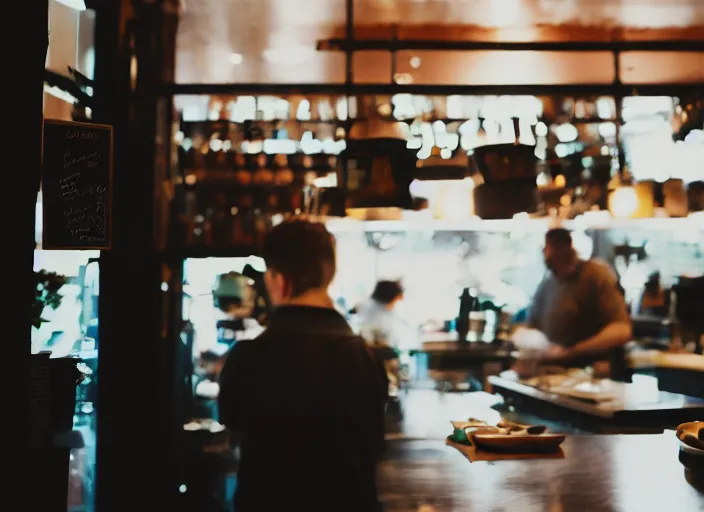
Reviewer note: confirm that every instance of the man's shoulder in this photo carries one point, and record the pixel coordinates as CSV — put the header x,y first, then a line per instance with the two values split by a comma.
x,y
349,341
350,347
599,271
545,284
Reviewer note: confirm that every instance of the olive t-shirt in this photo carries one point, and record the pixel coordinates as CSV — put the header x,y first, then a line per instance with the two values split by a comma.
x,y
577,307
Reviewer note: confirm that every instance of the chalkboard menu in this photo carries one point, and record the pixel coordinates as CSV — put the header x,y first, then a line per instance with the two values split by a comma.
x,y
76,185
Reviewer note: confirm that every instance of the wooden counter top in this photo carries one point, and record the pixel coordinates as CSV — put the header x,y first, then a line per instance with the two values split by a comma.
x,y
451,348
600,473
630,398
638,405
659,359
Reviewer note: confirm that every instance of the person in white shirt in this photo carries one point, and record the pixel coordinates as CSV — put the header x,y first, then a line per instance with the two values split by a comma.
x,y
383,328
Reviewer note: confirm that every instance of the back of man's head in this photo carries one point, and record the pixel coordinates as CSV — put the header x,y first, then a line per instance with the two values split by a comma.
x,y
386,292
303,252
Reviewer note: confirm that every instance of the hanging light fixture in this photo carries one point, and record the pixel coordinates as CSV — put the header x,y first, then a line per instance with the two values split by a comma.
x,y
375,165
623,202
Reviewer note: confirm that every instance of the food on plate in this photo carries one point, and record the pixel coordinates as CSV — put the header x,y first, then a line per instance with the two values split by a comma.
x,y
506,436
517,428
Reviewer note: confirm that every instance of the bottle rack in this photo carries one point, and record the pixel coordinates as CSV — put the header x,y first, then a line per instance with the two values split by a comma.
x,y
228,196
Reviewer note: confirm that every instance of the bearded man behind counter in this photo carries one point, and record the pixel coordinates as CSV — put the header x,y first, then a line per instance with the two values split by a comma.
x,y
580,308
306,398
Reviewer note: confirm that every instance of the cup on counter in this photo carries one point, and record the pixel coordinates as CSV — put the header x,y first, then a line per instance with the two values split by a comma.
x,y
528,363
477,322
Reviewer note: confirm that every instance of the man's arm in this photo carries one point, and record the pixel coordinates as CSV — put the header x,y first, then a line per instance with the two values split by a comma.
x,y
611,312
614,335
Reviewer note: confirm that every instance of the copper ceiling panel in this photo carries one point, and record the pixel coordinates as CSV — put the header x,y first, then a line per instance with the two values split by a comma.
x,y
273,41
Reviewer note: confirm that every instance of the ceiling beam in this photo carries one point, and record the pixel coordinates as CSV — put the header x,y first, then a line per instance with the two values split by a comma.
x,y
578,90
342,45
547,33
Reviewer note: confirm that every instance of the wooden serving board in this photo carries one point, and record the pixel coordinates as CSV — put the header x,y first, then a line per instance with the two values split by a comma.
x,y
519,443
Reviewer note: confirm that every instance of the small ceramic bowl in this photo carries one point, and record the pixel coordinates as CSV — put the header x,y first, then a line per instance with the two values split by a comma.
x,y
690,436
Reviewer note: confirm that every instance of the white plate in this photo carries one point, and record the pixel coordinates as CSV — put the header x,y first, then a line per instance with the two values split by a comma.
x,y
692,451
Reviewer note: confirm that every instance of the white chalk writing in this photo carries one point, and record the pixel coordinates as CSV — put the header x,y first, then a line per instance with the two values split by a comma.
x,y
90,159
98,222
80,134
68,187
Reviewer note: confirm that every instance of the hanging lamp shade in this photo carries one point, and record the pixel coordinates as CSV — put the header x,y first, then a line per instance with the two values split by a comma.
x,y
502,162
509,188
690,301
695,196
377,165
675,200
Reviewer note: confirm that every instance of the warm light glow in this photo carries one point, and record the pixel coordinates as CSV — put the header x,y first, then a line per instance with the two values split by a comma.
x,y
456,199
566,132
327,181
502,13
623,202
58,93
216,144
235,59
447,199
543,180
560,181
296,54
384,110
403,78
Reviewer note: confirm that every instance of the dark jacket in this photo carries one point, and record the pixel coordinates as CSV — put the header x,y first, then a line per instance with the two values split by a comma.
x,y
306,400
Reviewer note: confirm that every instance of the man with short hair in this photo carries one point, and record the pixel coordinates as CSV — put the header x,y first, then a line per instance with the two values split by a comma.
x,y
580,308
306,398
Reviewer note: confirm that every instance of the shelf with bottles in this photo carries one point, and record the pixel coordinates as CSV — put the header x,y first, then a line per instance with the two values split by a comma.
x,y
235,207
221,145
227,135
